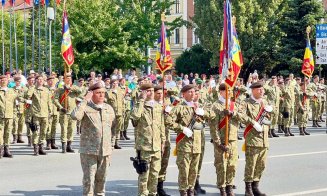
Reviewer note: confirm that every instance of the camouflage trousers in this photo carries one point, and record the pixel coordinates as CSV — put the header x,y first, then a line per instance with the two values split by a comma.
x,y
28,118
202,152
5,130
302,118
95,170
148,181
38,136
188,165
18,124
274,118
255,163
315,105
288,121
164,162
67,125
126,119
117,127
226,167
322,108
51,131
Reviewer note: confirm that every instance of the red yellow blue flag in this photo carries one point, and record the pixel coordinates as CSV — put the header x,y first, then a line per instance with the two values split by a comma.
x,y
163,56
66,43
308,62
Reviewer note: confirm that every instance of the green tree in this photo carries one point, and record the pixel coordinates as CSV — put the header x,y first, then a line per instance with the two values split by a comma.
x,y
196,60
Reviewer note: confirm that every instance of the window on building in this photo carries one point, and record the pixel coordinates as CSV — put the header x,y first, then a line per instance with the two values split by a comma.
x,y
177,36
196,38
177,3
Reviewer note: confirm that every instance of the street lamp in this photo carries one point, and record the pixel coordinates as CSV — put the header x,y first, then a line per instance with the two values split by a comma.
x,y
50,16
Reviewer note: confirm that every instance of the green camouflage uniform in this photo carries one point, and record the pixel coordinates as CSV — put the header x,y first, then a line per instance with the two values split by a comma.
x,y
28,113
302,111
149,136
287,104
19,119
273,96
54,119
95,145
315,101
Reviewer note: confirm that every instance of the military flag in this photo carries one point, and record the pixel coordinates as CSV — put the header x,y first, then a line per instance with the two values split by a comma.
x,y
66,44
231,59
308,62
28,2
163,57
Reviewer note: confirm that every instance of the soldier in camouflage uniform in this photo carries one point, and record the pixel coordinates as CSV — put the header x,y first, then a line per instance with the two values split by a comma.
x,y
315,101
287,106
19,119
203,93
65,100
281,103
225,167
7,105
189,146
54,118
28,110
256,138
322,93
127,107
149,138
297,90
303,102
40,100
95,145
79,99
115,98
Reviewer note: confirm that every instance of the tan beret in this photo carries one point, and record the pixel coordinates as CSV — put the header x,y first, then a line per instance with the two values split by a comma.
x,y
187,87
96,86
256,85
17,78
146,86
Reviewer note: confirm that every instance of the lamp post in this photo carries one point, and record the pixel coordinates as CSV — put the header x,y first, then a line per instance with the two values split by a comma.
x,y
50,16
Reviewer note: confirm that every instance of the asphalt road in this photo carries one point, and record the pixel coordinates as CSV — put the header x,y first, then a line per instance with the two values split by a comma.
x,y
296,166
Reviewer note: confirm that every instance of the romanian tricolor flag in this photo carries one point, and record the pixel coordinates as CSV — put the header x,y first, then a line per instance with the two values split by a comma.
x,y
66,43
28,2
12,3
163,57
231,59
308,63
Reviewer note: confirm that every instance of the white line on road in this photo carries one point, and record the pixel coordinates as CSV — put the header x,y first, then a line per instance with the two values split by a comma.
x,y
304,192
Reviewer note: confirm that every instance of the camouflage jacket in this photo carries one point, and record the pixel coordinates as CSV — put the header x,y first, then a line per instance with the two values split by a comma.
x,y
19,106
7,103
55,110
96,126
70,99
116,100
41,101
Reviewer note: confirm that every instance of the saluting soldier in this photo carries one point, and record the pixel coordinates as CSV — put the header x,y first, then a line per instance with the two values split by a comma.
x,y
95,150
149,138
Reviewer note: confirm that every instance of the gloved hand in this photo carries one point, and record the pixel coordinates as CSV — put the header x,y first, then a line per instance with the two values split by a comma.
x,y
266,121
223,147
228,112
199,111
188,132
257,127
168,109
64,110
29,102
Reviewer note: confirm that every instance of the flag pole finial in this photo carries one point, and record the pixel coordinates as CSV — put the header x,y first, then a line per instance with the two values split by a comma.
x,y
163,17
308,30
234,20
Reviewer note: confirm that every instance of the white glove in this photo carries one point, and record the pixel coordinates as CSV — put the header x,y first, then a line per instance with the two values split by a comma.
x,y
257,127
188,132
168,109
16,102
199,111
29,102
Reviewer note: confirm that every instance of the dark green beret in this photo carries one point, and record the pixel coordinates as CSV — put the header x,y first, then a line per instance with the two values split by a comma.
x,y
187,87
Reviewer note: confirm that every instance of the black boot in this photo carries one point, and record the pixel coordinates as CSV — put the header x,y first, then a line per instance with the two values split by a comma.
x,y
36,149
116,146
53,144
20,140
286,132
29,139
317,124
229,190
48,145
125,135
321,119
63,147
1,151
305,131
222,191
273,133
14,140
269,134
182,193
41,151
280,129
190,192
122,136
69,147
314,124
6,152
255,189
301,131
289,131
198,188
248,189
160,190
295,121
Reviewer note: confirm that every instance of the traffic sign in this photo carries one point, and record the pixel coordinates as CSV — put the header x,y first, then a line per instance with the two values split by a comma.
x,y
321,44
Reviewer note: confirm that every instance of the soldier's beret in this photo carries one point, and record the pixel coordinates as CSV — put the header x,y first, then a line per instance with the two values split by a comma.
x,y
178,79
106,79
158,87
161,80
287,79
316,76
38,76
112,81
30,77
81,80
222,87
273,77
298,78
121,79
96,86
140,80
146,86
187,87
99,75
89,79
256,85
68,75
198,81
17,78
50,78
3,76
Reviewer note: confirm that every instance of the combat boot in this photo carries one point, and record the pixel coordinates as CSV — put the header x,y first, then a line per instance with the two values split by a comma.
x,y
286,132
122,136
190,192
1,151
14,140
53,144
222,191
160,190
116,146
289,131
269,134
41,151
301,131
317,124
69,147
6,152
36,150
255,189
29,139
182,193
48,145
314,124
125,135
229,190
305,131
248,189
273,133
20,140
322,120
198,188
280,129
63,147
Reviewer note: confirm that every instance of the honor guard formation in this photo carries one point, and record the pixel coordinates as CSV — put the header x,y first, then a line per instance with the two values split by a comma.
x,y
98,111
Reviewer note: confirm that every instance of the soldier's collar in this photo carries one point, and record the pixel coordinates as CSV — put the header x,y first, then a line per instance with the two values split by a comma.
x,y
150,103
256,100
